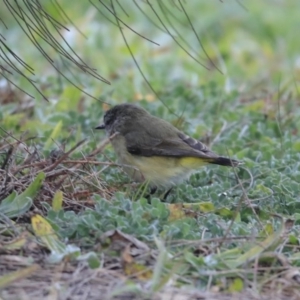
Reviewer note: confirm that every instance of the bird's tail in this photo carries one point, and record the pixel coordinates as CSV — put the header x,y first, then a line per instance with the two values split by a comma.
x,y
224,161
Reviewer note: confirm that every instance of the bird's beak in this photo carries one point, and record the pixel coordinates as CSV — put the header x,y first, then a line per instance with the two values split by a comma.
x,y
102,126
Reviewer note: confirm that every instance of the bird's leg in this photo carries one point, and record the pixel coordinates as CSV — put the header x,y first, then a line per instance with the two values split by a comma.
x,y
152,191
167,193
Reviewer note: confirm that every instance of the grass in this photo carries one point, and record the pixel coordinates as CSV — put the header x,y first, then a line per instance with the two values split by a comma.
x,y
83,229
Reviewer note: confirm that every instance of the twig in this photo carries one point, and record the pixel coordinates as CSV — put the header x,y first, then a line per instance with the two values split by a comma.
x,y
243,197
103,145
65,155
8,155
96,151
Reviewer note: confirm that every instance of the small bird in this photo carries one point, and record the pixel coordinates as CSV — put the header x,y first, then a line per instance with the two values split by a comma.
x,y
154,150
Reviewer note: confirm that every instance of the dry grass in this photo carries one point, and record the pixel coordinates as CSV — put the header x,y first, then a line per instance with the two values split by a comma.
x,y
77,281
34,278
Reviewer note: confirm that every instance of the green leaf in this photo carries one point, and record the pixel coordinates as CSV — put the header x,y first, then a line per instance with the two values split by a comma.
x,y
206,207
57,201
296,146
236,286
53,136
196,262
293,239
14,206
225,212
255,251
9,198
93,261
43,229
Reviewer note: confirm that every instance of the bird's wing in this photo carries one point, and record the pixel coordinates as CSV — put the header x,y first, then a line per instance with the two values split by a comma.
x,y
195,144
180,146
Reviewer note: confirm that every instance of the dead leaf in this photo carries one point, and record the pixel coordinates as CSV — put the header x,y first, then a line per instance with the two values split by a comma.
x,y
126,256
120,240
184,210
293,275
132,268
45,232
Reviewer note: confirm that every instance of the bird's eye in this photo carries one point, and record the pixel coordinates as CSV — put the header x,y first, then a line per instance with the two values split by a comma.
x,y
107,119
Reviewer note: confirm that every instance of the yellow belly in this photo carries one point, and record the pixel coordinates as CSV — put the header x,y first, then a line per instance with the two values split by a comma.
x,y
162,171
158,170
